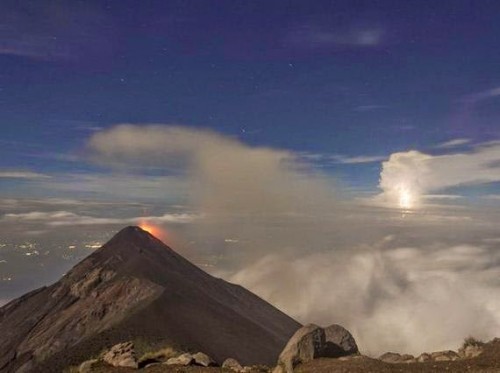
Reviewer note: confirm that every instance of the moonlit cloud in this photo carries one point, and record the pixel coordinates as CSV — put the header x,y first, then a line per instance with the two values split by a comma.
x,y
360,159
397,299
453,143
342,159
224,175
421,173
315,36
481,96
66,218
22,175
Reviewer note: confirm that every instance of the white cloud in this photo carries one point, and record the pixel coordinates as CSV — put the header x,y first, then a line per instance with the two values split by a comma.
x,y
407,299
453,143
66,218
23,175
442,196
481,96
419,173
118,186
222,174
342,159
361,159
492,196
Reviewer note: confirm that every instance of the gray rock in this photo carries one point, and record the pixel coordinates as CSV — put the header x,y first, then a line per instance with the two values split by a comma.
x,y
470,351
351,357
407,358
390,357
445,356
86,366
339,342
184,360
306,344
232,364
393,357
122,355
424,357
203,359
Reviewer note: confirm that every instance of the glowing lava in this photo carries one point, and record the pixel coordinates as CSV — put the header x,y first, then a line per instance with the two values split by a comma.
x,y
152,229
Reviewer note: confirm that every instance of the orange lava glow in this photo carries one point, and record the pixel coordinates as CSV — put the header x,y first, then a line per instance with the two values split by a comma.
x,y
153,229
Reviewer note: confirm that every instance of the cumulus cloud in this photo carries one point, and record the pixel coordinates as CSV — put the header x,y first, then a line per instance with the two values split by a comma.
x,y
419,173
407,299
223,174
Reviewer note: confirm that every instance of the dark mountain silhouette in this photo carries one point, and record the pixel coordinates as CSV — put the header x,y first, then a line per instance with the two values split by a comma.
x,y
137,288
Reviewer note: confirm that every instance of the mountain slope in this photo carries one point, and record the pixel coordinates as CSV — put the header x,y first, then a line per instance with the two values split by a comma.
x,y
135,287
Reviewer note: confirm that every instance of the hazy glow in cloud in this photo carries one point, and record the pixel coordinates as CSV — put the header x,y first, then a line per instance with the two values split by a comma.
x,y
412,174
402,178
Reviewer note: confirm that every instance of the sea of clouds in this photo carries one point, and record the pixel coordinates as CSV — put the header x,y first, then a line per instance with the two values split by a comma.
x,y
400,280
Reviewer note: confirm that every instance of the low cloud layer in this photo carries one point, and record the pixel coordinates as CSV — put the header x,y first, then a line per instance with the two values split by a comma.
x,y
66,218
407,299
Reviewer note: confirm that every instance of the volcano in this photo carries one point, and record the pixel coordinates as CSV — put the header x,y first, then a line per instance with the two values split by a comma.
x,y
137,288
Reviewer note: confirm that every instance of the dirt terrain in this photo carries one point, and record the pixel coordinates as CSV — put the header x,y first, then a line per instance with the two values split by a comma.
x,y
488,361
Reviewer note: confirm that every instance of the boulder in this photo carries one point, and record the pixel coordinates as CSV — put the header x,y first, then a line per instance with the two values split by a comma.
x,y
184,360
393,357
122,355
86,366
445,356
203,360
424,357
339,342
470,351
390,357
351,357
306,344
232,364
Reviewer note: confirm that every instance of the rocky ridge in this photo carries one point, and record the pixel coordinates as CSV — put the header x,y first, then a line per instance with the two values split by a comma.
x,y
136,287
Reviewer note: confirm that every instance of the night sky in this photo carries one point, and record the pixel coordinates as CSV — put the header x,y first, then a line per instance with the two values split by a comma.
x,y
353,142
332,77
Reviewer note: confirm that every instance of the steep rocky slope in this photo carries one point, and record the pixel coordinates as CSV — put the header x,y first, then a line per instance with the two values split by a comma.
x,y
137,288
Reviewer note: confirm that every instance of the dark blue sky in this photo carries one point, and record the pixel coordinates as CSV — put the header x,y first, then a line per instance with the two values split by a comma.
x,y
350,78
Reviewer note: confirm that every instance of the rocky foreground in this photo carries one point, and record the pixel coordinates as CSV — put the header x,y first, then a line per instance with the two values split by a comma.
x,y
311,349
